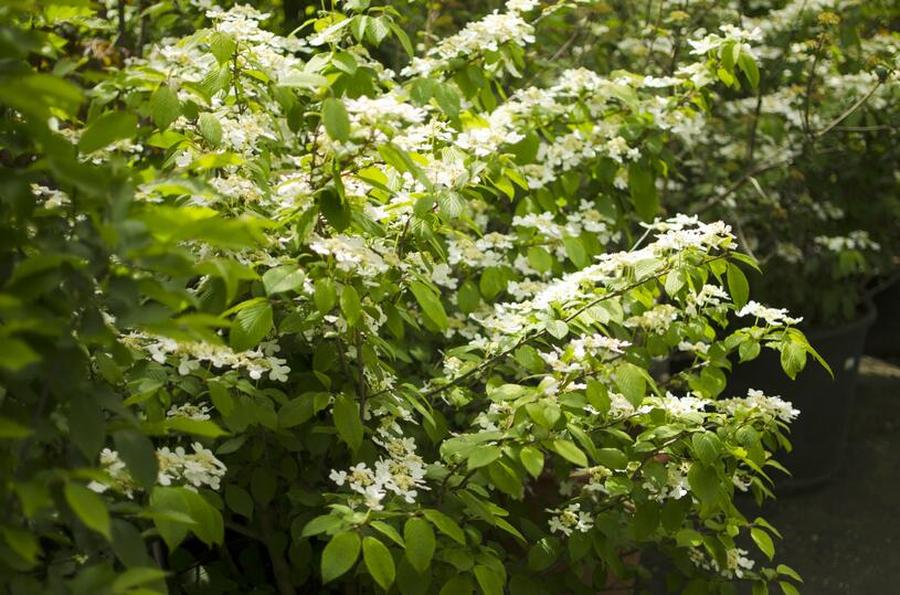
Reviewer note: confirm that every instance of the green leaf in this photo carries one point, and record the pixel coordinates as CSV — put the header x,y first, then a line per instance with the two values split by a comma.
x,y
107,129
282,279
16,354
481,455
787,588
164,107
402,162
704,482
347,422
23,542
557,328
457,585
210,128
10,429
539,259
748,350
793,358
446,525
533,460
707,447
567,450
89,507
763,541
379,562
139,455
339,555
748,66
196,427
420,543
505,479
489,580
631,382
325,295
296,411
251,325
222,46
388,531
239,500
303,80
612,458
320,524
642,184
336,120
786,570
738,286
430,303
350,305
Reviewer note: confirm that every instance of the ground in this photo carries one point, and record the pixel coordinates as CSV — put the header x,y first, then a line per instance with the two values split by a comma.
x,y
844,538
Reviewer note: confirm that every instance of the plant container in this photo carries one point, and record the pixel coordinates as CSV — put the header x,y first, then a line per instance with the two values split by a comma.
x,y
819,434
883,341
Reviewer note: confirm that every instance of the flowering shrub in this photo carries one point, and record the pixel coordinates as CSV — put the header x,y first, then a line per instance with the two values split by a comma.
x,y
805,160
279,317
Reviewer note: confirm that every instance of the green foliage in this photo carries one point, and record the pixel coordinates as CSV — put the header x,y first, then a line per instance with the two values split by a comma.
x,y
277,317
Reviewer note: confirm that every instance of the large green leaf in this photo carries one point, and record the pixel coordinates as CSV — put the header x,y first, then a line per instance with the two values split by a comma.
x,y
347,421
339,555
251,325
107,129
420,543
89,507
379,562
164,107
430,303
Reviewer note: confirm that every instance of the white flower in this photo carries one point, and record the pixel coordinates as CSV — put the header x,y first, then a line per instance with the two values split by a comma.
x,y
757,403
772,316
189,411
570,519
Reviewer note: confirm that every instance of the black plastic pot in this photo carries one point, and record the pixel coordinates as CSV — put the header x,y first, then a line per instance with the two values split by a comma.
x,y
884,339
819,434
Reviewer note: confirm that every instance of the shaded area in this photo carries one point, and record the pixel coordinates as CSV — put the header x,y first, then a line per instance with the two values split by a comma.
x,y
845,536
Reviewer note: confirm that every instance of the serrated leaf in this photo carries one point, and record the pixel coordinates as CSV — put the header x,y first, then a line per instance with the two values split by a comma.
x,y
251,325
164,107
210,128
707,447
282,279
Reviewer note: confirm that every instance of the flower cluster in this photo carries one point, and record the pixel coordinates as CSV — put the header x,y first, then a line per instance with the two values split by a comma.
x,y
195,469
402,473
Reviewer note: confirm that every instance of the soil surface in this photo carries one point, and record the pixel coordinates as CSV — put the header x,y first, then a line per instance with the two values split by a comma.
x,y
845,536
